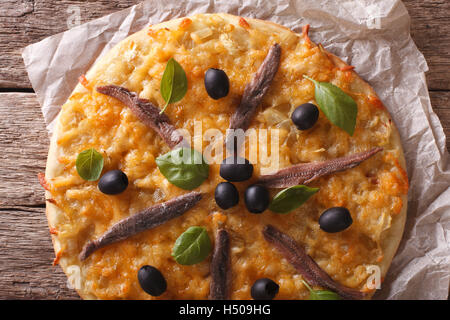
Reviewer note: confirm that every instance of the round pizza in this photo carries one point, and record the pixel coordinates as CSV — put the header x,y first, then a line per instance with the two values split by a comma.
x,y
222,157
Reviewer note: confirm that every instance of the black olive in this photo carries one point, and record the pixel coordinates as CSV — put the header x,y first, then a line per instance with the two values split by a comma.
x,y
335,219
216,83
236,169
305,116
226,195
264,289
152,281
113,182
257,198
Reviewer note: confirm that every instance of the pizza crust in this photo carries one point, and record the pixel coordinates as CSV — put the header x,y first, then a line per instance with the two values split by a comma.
x,y
392,236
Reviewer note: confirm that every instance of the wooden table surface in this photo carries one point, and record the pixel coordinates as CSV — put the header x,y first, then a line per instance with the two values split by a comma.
x,y
26,253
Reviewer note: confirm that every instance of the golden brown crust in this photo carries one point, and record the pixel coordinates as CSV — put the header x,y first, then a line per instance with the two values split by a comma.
x,y
393,235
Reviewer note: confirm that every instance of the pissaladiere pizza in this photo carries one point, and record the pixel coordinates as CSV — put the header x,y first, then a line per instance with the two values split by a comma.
x,y
137,209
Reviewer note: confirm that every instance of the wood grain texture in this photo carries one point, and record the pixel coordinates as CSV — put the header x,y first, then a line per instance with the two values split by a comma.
x,y
34,20
430,29
24,144
26,252
26,270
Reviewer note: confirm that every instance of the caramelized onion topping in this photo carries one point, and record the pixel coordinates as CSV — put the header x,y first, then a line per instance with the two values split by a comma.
x,y
304,173
146,112
220,267
141,221
305,265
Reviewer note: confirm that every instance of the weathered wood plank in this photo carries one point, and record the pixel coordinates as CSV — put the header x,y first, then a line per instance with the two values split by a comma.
x,y
24,145
35,20
30,21
430,29
26,257
14,8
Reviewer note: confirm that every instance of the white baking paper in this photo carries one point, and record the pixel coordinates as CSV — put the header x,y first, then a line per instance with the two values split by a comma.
x,y
373,36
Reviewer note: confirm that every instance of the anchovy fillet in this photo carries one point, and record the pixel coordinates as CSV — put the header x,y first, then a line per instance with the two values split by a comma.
x,y
255,90
141,221
220,267
304,173
146,112
305,265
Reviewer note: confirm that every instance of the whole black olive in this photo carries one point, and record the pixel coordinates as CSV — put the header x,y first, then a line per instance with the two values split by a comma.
x,y
152,281
305,116
257,198
226,195
216,83
335,219
264,289
113,182
236,169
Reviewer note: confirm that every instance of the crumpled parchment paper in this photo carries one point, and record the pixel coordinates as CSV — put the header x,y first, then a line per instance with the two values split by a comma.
x,y
372,35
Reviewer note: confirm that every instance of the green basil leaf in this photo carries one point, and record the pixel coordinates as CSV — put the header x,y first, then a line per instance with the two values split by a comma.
x,y
193,246
183,167
89,164
291,198
321,294
337,106
173,83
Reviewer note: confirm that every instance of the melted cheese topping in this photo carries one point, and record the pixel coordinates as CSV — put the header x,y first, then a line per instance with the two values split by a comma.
x,y
372,191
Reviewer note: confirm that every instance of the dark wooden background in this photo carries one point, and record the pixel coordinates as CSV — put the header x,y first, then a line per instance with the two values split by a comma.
x,y
26,252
